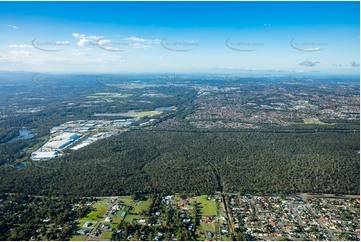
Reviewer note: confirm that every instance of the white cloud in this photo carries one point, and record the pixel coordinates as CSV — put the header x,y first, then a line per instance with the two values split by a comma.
x,y
19,53
79,36
139,43
22,59
136,39
105,42
83,36
20,46
80,54
13,26
139,46
94,37
122,45
123,57
125,44
62,42
15,56
309,63
85,40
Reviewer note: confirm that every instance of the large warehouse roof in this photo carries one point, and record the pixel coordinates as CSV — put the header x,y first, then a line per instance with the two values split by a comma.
x,y
44,155
62,140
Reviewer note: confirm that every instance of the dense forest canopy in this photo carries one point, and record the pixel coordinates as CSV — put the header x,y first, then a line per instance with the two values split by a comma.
x,y
155,161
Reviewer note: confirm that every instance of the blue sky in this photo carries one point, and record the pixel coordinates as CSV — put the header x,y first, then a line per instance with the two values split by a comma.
x,y
143,37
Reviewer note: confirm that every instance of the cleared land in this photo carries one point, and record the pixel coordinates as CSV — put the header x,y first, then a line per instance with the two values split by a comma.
x,y
78,238
143,114
141,206
209,207
132,113
109,95
314,121
98,212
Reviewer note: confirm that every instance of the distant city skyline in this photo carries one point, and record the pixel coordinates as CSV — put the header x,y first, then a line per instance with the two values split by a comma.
x,y
181,37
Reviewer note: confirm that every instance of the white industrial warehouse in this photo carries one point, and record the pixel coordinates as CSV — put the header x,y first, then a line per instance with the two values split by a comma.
x,y
44,155
51,149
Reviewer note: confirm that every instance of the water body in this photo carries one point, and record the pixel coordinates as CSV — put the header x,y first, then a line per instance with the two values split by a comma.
x,y
21,165
23,134
26,134
160,109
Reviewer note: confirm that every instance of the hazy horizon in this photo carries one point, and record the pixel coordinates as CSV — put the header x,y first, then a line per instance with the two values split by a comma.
x,y
156,37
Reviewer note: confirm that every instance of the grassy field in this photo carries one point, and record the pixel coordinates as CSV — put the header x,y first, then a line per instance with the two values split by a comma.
x,y
307,104
109,95
143,114
129,218
105,235
133,85
82,221
116,218
126,199
226,238
78,238
203,229
209,207
141,206
208,227
313,121
99,210
104,93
